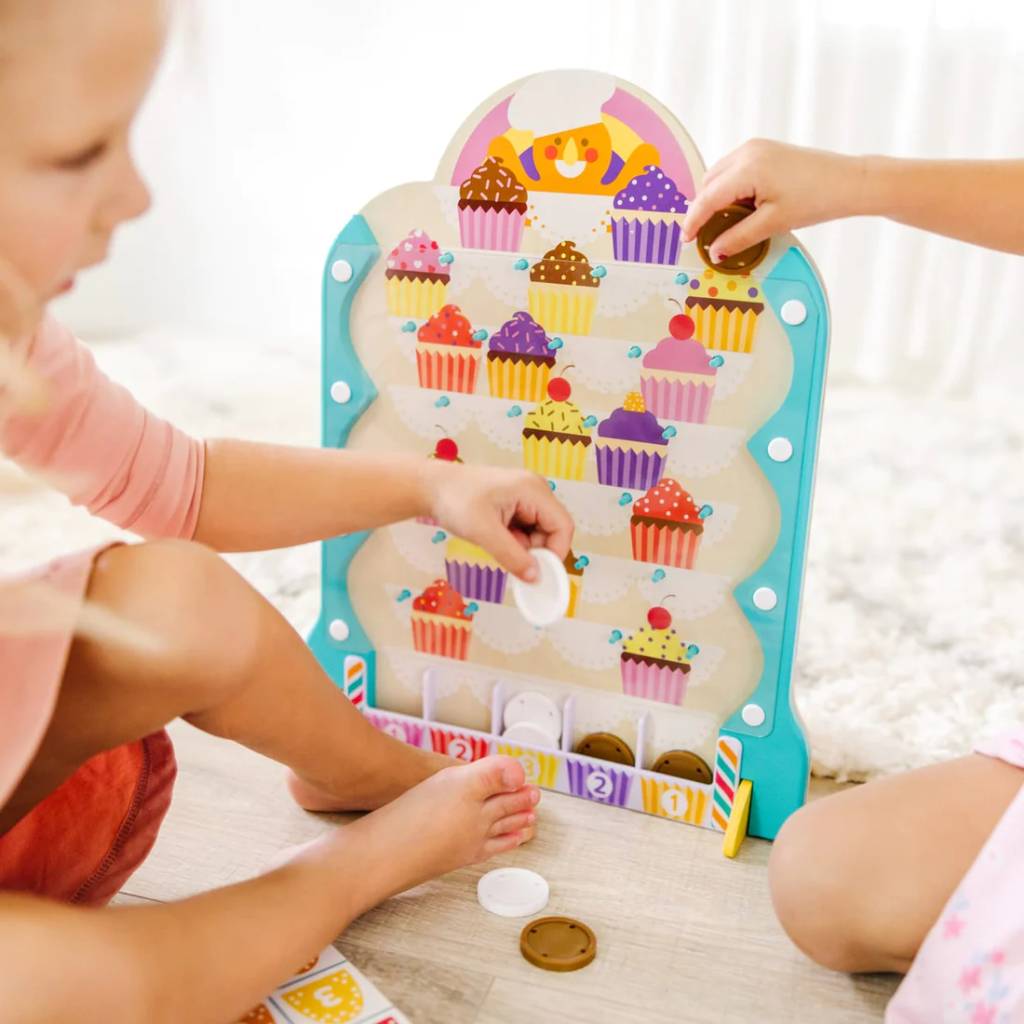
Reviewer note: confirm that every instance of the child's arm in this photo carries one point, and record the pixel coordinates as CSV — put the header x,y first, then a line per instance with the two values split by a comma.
x,y
979,201
205,959
259,496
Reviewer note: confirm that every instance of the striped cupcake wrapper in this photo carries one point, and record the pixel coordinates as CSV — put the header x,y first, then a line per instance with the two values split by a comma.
x,y
555,457
447,371
671,800
632,468
477,582
646,241
665,544
416,298
602,783
523,379
723,329
563,307
674,400
653,682
500,230
430,636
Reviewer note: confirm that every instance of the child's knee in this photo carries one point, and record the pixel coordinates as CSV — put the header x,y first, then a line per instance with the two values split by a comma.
x,y
813,898
196,618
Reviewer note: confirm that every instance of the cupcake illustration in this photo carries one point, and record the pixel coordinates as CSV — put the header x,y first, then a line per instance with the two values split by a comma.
x,y
666,526
655,662
415,279
563,291
441,622
447,451
630,446
725,309
492,204
647,219
574,566
519,361
447,355
555,441
677,379
473,572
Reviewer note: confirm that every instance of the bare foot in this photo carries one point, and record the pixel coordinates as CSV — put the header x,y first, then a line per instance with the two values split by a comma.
x,y
460,815
388,769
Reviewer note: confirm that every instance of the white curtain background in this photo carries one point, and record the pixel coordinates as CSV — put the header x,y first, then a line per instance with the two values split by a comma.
x,y
272,122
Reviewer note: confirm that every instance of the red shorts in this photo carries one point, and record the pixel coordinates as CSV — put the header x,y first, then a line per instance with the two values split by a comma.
x,y
83,841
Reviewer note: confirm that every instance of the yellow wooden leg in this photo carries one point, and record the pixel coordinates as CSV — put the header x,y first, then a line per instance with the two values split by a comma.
x,y
736,831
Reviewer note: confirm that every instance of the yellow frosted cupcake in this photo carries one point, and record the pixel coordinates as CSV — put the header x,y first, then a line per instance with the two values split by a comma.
x,y
415,278
563,291
555,441
725,310
474,572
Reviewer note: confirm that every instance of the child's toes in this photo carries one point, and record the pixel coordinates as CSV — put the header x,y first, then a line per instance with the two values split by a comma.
x,y
502,844
505,804
494,775
513,823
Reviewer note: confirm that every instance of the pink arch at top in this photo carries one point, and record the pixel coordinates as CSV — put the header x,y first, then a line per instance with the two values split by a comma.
x,y
629,109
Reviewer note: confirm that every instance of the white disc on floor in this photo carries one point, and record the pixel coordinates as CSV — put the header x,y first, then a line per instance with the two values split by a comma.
x,y
547,600
512,892
535,708
531,734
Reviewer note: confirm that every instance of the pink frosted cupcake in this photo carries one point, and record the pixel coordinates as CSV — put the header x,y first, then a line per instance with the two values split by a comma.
x,y
677,379
492,204
655,662
415,278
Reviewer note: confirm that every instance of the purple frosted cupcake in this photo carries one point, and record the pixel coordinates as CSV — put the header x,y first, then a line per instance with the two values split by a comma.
x,y
647,219
631,447
519,361
473,572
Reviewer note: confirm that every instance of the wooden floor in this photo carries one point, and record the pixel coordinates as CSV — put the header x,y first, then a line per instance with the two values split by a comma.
x,y
683,934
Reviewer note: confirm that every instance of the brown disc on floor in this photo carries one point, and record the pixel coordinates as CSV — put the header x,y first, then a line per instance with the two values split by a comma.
x,y
732,263
558,944
606,746
683,764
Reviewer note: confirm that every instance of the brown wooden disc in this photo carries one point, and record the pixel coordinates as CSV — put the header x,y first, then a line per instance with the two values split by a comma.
x,y
606,746
733,263
683,764
558,944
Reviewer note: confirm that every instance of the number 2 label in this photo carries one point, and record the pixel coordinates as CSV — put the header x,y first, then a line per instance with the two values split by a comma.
x,y
599,785
460,748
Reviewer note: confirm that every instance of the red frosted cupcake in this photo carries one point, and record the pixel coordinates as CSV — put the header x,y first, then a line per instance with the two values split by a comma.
x,y
447,355
666,526
441,622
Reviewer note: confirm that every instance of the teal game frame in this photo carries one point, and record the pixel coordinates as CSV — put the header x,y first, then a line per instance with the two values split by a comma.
x,y
763,739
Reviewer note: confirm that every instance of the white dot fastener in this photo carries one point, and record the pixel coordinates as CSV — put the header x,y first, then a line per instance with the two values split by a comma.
x,y
338,629
780,449
341,392
341,270
765,599
793,312
753,714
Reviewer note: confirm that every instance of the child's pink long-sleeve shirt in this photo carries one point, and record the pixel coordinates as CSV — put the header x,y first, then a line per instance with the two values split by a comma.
x,y
108,454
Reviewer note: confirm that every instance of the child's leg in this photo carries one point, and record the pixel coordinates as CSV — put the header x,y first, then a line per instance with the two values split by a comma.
x,y
859,878
224,659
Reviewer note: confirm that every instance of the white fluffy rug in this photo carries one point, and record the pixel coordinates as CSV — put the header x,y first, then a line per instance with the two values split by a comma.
x,y
910,643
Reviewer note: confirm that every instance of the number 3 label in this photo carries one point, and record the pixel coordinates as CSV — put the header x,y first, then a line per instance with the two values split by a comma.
x,y
599,785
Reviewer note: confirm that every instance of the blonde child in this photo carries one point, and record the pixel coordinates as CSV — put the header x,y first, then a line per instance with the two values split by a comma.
x,y
923,872
100,650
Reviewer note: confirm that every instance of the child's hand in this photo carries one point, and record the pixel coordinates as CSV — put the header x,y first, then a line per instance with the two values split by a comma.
x,y
505,511
789,186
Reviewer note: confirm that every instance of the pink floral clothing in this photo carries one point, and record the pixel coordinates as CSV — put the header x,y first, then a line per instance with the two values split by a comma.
x,y
970,968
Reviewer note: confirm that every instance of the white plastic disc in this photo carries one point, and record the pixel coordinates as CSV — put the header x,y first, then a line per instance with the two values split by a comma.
x,y
536,709
547,600
513,892
532,735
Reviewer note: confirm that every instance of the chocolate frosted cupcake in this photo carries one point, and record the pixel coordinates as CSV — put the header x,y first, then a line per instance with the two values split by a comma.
x,y
415,277
563,290
492,204
519,361
647,219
